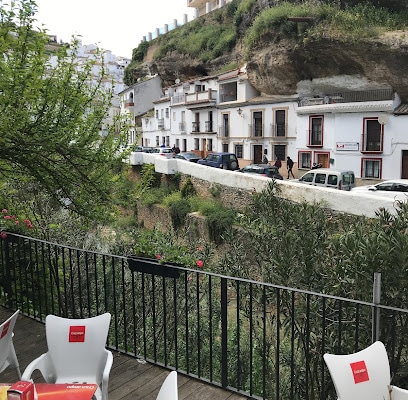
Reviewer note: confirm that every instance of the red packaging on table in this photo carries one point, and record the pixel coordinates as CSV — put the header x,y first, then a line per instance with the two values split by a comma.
x,y
21,390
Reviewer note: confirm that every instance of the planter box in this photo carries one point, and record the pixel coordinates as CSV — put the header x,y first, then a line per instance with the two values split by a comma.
x,y
153,267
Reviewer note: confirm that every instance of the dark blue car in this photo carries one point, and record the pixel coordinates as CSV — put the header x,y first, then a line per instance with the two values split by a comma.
x,y
221,160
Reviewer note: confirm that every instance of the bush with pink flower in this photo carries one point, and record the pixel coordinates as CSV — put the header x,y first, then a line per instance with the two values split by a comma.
x,y
11,223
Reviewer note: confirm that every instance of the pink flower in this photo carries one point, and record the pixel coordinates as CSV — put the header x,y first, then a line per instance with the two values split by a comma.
x,y
4,210
7,217
199,248
17,222
3,235
158,256
13,217
200,263
189,278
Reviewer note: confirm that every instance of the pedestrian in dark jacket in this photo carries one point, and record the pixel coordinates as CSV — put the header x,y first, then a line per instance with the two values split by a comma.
x,y
289,165
278,163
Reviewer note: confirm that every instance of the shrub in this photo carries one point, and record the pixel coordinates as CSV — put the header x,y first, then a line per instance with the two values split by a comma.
x,y
178,212
188,190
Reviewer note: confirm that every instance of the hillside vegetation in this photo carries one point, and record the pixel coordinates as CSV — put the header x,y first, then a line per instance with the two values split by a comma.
x,y
297,37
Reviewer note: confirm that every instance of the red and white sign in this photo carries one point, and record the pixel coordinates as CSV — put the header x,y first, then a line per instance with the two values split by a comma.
x,y
5,329
360,372
77,333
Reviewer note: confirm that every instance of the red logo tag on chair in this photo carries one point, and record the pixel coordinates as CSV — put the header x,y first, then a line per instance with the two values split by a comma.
x,y
5,329
77,333
360,372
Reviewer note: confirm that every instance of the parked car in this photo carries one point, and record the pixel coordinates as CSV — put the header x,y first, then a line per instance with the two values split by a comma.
x,y
188,156
164,152
330,178
220,160
267,170
397,188
144,149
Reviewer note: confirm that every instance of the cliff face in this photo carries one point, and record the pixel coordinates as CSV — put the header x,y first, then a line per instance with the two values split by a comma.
x,y
283,65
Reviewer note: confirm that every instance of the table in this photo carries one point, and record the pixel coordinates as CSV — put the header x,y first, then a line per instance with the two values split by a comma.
x,y
58,391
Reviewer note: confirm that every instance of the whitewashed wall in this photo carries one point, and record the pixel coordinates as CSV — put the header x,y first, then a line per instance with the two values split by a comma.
x,y
348,202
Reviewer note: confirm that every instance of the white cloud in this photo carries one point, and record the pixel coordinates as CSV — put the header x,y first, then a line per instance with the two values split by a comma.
x,y
118,26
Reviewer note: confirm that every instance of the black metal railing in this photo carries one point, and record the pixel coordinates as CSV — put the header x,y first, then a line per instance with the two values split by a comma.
x,y
262,340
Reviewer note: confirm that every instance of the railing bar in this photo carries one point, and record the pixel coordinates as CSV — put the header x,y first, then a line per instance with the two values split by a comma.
x,y
307,349
124,309
264,349
323,350
251,342
224,334
239,366
186,338
175,330
132,280
339,351
37,274
49,262
144,316
277,345
164,320
210,300
87,283
114,295
65,277
292,345
78,271
198,323
96,276
154,322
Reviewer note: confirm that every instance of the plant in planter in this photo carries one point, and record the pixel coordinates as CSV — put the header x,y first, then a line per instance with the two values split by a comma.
x,y
12,224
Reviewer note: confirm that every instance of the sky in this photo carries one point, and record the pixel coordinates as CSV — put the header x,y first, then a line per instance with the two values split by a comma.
x,y
118,25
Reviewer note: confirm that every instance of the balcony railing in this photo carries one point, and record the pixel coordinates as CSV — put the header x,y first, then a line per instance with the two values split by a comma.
x,y
256,130
223,131
261,340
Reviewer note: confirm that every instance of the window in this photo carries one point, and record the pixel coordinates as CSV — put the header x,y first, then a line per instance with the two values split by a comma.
x,y
316,131
157,113
371,168
209,144
372,136
280,123
305,159
167,113
225,147
196,144
238,150
157,141
279,150
258,124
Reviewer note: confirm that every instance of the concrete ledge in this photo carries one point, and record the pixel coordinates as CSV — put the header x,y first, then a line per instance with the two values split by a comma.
x,y
356,203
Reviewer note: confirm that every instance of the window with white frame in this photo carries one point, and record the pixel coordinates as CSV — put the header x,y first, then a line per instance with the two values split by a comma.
x,y
239,149
209,144
280,123
316,131
305,159
371,168
279,150
372,136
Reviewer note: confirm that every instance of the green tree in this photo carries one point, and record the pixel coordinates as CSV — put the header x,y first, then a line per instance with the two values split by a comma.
x,y
51,113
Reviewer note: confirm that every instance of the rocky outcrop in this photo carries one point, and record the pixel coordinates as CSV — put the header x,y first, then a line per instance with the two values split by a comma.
x,y
287,65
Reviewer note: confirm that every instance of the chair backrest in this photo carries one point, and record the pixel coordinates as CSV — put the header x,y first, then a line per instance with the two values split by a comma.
x,y
168,390
77,347
7,352
364,375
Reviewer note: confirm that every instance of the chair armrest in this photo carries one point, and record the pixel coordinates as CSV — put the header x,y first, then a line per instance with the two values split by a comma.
x,y
105,375
399,394
44,365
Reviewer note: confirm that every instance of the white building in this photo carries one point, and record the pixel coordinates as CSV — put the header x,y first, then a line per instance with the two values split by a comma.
x,y
113,66
137,100
363,130
203,7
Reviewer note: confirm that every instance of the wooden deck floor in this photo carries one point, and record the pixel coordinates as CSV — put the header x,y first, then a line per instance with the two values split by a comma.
x,y
129,379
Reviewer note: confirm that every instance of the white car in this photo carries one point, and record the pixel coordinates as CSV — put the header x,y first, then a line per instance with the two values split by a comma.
x,y
397,188
166,152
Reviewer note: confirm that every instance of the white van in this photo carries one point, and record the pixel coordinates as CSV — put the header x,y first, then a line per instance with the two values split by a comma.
x,y
330,178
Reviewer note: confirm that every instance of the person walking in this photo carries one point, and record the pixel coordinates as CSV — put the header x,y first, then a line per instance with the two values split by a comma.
x,y
278,163
289,165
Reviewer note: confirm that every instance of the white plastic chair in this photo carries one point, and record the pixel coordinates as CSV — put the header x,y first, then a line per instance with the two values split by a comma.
x,y
8,355
168,390
76,353
364,375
